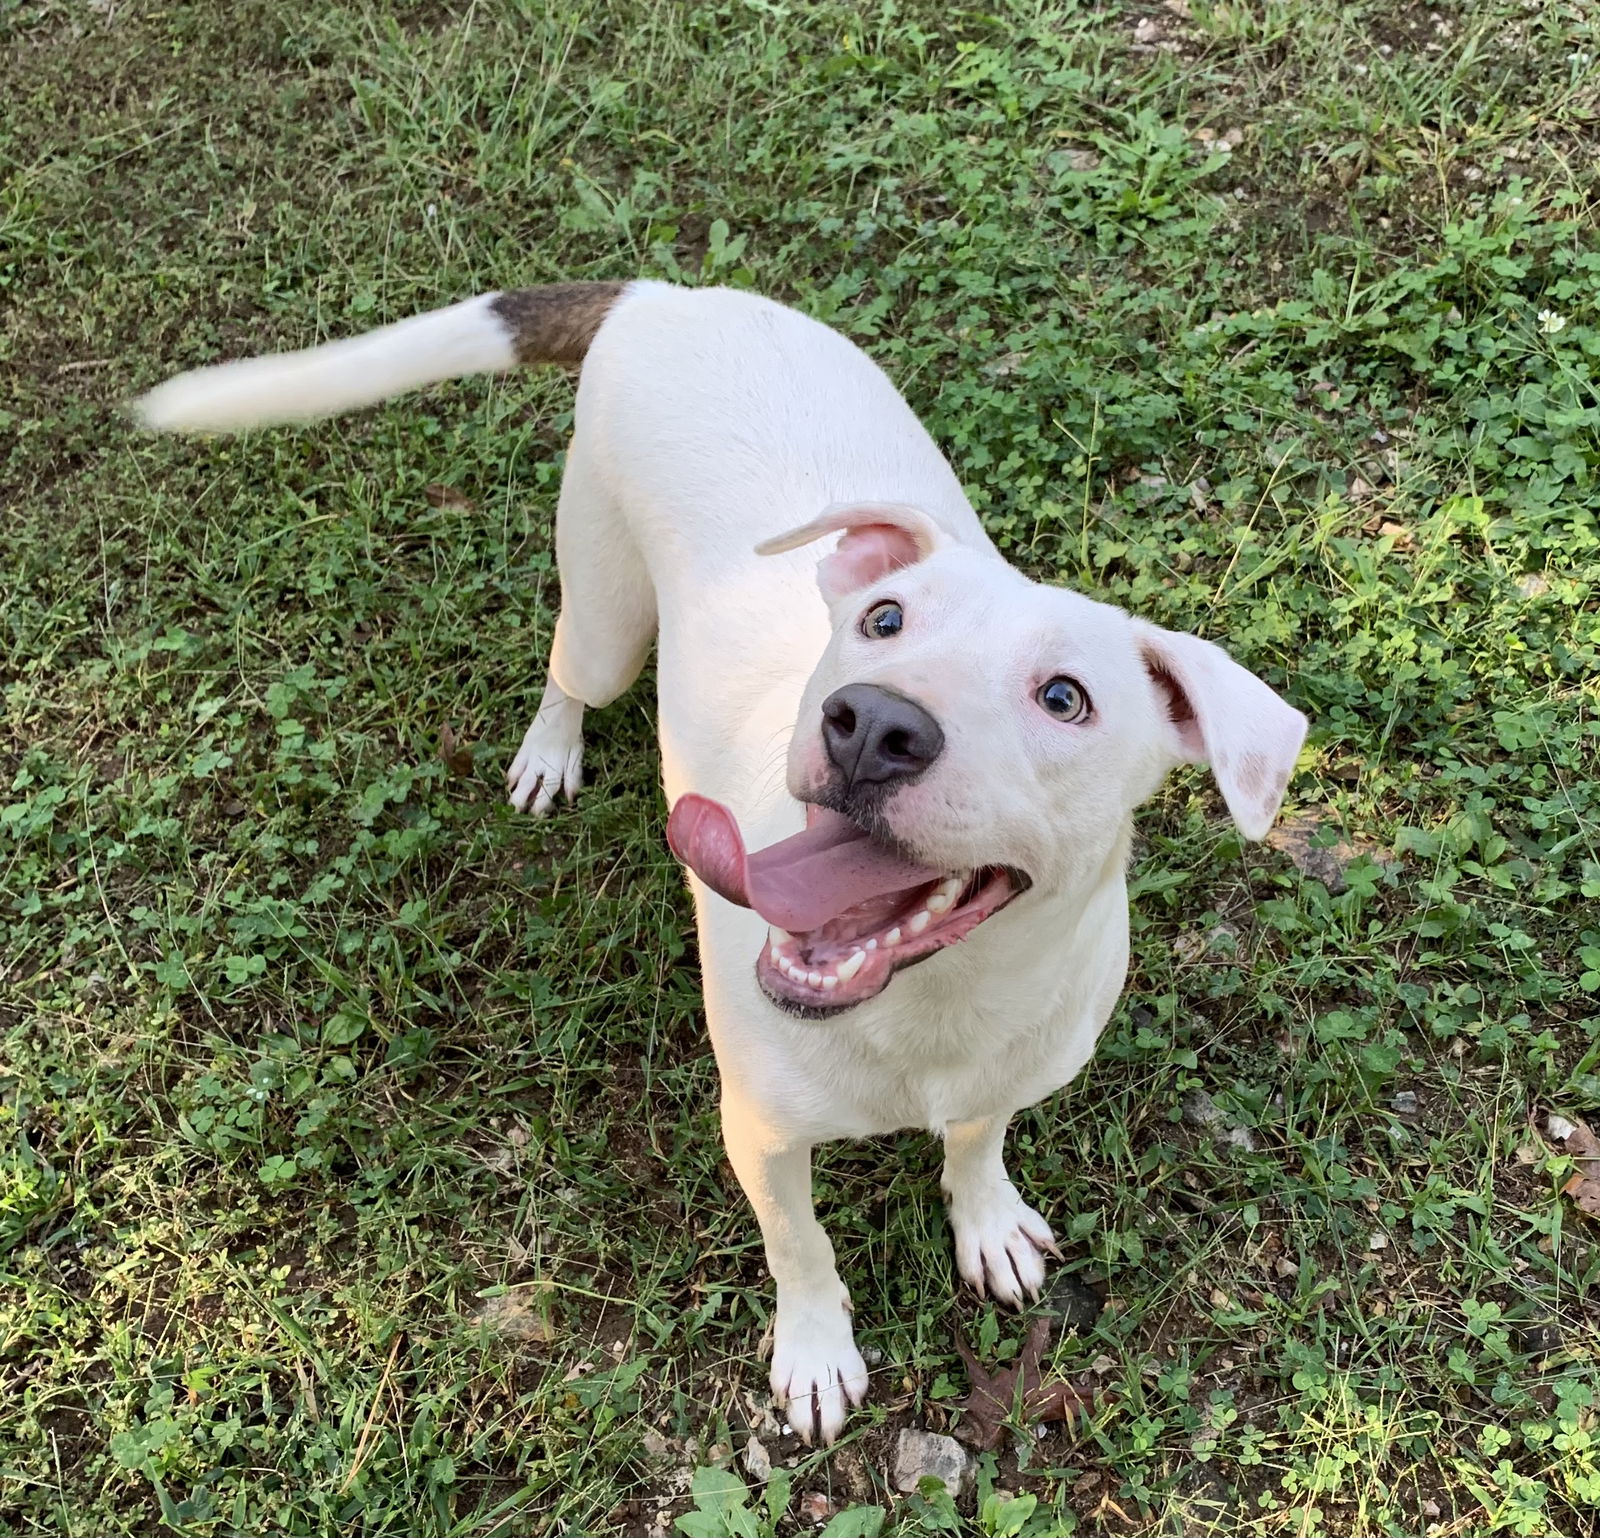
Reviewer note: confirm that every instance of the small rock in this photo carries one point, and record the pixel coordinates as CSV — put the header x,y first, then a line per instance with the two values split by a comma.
x,y
1533,585
815,1507
1558,1128
1285,1267
1148,31
1201,1111
1377,1241
1406,1103
1540,1338
655,1446
921,1455
757,1463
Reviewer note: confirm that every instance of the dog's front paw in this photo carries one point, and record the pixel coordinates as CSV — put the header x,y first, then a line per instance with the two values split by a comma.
x,y
550,758
1001,1243
817,1373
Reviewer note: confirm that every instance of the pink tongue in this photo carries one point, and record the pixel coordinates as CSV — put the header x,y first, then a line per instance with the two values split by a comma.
x,y
798,884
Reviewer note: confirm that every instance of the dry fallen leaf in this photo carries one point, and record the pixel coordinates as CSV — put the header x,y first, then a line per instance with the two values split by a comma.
x,y
996,1396
1293,837
1583,1186
447,496
456,755
513,1316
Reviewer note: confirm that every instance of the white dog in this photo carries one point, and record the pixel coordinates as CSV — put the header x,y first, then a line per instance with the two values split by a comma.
x,y
965,747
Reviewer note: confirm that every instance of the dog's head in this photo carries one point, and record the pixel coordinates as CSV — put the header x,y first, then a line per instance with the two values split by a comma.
x,y
966,735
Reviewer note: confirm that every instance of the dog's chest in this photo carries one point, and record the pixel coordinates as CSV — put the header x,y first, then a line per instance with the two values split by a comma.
x,y
930,1072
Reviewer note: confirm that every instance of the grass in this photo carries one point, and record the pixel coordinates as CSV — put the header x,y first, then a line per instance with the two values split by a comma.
x,y
358,1156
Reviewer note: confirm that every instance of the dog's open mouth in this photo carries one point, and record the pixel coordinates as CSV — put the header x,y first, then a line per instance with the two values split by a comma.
x,y
846,912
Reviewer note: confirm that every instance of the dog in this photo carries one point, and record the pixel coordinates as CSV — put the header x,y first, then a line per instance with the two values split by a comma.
x,y
901,774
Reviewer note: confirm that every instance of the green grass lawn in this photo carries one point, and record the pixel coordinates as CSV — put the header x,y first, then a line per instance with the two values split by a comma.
x,y
359,1168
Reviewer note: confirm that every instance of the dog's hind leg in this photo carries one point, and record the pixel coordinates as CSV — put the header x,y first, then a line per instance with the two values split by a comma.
x,y
603,635
1000,1240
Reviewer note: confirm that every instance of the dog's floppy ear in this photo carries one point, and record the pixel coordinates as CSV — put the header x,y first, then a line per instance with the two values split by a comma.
x,y
878,537
1223,715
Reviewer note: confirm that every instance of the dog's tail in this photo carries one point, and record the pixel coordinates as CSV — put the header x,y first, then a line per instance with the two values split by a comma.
x,y
553,324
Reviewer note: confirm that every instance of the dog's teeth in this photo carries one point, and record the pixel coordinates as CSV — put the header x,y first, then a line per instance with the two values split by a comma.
x,y
778,936
851,965
940,902
920,922
814,978
951,886
872,944
892,938
830,982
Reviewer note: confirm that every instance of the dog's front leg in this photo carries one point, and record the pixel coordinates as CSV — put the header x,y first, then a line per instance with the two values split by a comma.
x,y
817,1373
1000,1240
550,759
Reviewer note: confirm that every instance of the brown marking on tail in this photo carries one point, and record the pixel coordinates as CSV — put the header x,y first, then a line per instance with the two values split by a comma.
x,y
557,322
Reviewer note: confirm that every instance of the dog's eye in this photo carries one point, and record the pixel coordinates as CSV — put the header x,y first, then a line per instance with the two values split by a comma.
x,y
882,620
1064,698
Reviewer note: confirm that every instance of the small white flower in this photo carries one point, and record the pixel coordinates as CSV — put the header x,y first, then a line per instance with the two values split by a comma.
x,y
1550,322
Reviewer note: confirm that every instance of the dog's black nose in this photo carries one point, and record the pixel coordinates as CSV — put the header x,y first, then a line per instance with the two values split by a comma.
x,y
874,735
